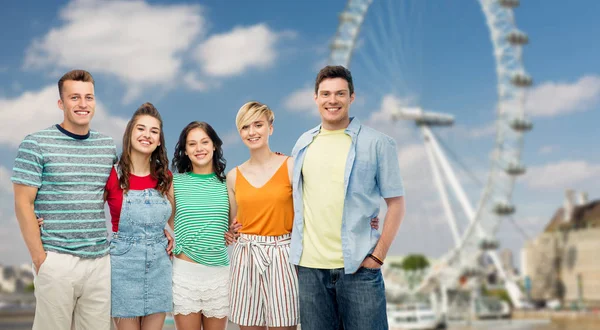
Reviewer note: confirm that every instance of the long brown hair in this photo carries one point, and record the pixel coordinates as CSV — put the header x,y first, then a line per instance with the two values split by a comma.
x,y
159,163
182,163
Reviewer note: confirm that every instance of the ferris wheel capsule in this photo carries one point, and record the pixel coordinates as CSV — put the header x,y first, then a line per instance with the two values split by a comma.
x,y
504,208
515,168
341,44
521,124
350,18
509,3
521,79
517,38
488,243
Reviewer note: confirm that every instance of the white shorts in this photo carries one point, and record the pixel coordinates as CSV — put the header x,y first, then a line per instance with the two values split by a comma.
x,y
264,284
200,289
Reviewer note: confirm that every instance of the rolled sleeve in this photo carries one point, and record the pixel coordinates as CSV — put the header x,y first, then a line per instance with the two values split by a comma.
x,y
388,175
29,164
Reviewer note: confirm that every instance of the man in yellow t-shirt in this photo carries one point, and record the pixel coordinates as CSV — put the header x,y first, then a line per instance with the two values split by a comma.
x,y
342,170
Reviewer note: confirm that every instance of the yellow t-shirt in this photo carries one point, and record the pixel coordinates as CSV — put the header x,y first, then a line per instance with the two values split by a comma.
x,y
323,197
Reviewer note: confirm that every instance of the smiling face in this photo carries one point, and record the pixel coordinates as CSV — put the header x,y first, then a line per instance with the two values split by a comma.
x,y
200,149
145,135
333,99
256,134
78,104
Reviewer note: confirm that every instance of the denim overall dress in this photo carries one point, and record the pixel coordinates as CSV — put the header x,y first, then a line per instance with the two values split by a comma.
x,y
141,270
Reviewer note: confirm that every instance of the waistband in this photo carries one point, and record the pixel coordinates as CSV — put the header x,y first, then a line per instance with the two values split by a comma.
x,y
135,238
246,239
258,244
192,268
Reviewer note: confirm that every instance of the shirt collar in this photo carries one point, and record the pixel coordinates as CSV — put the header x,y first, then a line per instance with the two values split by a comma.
x,y
352,129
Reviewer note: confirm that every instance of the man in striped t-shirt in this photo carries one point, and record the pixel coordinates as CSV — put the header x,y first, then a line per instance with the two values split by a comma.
x,y
59,175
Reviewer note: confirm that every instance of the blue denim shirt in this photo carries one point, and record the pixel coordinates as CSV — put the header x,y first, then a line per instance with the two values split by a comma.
x,y
372,172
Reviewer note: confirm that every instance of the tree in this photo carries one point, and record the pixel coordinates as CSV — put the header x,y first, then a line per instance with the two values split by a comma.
x,y
29,288
414,262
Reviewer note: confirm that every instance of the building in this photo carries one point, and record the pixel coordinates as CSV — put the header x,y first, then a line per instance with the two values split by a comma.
x,y
561,263
15,278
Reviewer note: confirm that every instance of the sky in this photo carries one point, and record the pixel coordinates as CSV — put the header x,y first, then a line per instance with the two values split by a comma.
x,y
203,60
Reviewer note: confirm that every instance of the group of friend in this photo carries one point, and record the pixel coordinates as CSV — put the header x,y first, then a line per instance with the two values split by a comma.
x,y
304,228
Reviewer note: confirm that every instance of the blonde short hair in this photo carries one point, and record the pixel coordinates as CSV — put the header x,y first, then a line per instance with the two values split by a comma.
x,y
250,112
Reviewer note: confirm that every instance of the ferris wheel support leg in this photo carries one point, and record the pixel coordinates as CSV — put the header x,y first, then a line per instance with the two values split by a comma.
x,y
512,288
444,292
437,178
447,169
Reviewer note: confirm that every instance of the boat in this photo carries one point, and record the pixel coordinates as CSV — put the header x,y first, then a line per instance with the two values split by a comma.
x,y
414,316
492,308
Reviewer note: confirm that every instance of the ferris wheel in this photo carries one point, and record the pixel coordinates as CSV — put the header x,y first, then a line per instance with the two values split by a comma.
x,y
495,203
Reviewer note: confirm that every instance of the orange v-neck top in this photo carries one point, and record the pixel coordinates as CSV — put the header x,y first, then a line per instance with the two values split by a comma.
x,y
267,210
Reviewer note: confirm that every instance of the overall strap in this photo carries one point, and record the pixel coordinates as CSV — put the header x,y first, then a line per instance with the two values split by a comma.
x,y
119,174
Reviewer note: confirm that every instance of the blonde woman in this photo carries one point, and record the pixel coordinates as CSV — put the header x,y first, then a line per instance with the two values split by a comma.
x,y
264,284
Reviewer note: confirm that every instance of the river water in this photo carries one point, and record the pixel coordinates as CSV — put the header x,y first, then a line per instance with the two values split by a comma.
x,y
528,325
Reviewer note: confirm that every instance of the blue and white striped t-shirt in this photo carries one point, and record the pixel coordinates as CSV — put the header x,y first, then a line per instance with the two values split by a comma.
x,y
70,172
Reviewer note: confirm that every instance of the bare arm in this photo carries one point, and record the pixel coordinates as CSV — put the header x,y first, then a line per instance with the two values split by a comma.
x,y
232,234
24,209
231,176
393,218
170,222
171,198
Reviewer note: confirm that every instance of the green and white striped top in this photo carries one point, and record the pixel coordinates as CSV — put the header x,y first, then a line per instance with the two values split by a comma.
x,y
201,218
70,172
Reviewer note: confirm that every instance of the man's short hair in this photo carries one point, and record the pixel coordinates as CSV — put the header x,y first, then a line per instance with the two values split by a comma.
x,y
334,71
75,75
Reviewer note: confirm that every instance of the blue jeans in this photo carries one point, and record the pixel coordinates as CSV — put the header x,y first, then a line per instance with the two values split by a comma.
x,y
332,300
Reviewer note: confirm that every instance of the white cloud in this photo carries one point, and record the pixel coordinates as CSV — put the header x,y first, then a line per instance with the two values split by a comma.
x,y
562,175
424,213
36,110
302,100
471,133
547,149
381,119
552,99
412,158
241,49
194,83
140,43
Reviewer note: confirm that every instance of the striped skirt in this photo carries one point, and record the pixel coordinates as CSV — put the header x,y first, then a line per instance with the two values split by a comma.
x,y
264,284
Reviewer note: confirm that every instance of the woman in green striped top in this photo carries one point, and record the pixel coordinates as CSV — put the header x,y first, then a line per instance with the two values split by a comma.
x,y
201,264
